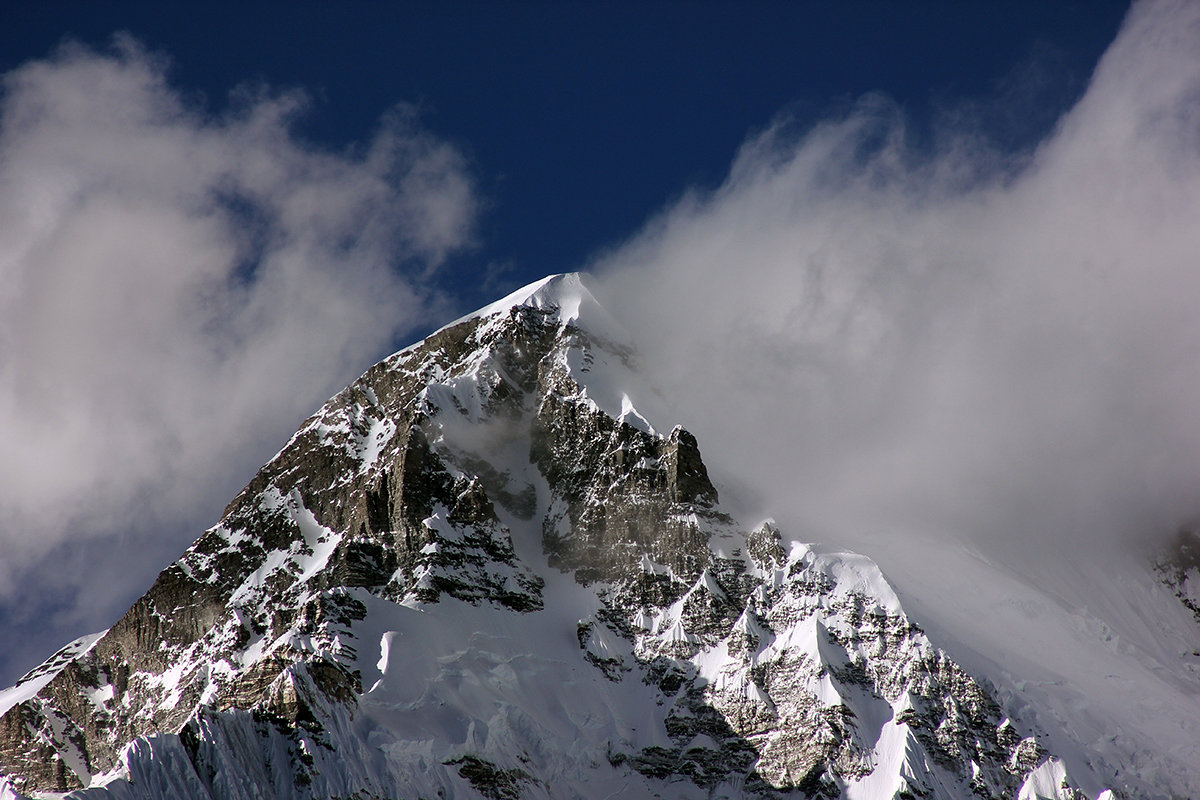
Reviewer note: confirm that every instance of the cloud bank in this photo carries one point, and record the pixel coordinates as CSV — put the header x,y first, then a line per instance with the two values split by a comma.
x,y
178,289
996,349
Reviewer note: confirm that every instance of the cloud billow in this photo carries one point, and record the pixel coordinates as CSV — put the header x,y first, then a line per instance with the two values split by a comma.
x,y
988,347
179,288
978,367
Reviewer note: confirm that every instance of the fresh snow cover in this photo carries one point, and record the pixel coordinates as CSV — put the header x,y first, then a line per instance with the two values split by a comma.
x,y
39,676
1044,782
899,762
458,679
309,559
605,375
1104,662
566,296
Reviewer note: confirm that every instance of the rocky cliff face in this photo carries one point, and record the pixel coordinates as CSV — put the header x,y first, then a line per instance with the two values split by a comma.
x,y
479,571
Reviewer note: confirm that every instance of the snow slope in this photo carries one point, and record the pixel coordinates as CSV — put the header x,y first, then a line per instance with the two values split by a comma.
x,y
1102,658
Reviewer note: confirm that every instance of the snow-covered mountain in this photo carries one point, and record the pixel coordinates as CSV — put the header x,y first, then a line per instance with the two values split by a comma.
x,y
492,567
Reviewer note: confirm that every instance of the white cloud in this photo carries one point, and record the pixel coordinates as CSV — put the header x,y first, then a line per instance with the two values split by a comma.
x,y
1002,349
979,368
178,289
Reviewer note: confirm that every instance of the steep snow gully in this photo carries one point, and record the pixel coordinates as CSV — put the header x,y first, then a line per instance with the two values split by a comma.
x,y
494,567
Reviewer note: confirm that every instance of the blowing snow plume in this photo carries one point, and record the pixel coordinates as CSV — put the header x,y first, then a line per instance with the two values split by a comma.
x,y
978,368
999,350
177,290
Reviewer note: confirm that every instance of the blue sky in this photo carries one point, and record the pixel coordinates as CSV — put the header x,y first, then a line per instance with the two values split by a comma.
x,y
545,134
580,120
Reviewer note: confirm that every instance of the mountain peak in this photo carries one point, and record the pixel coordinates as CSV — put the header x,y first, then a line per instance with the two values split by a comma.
x,y
567,297
564,292
479,571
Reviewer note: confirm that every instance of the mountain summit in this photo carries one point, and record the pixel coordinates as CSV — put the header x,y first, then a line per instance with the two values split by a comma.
x,y
490,568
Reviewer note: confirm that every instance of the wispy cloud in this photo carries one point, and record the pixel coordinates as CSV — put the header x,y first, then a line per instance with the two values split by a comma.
x,y
998,348
178,288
